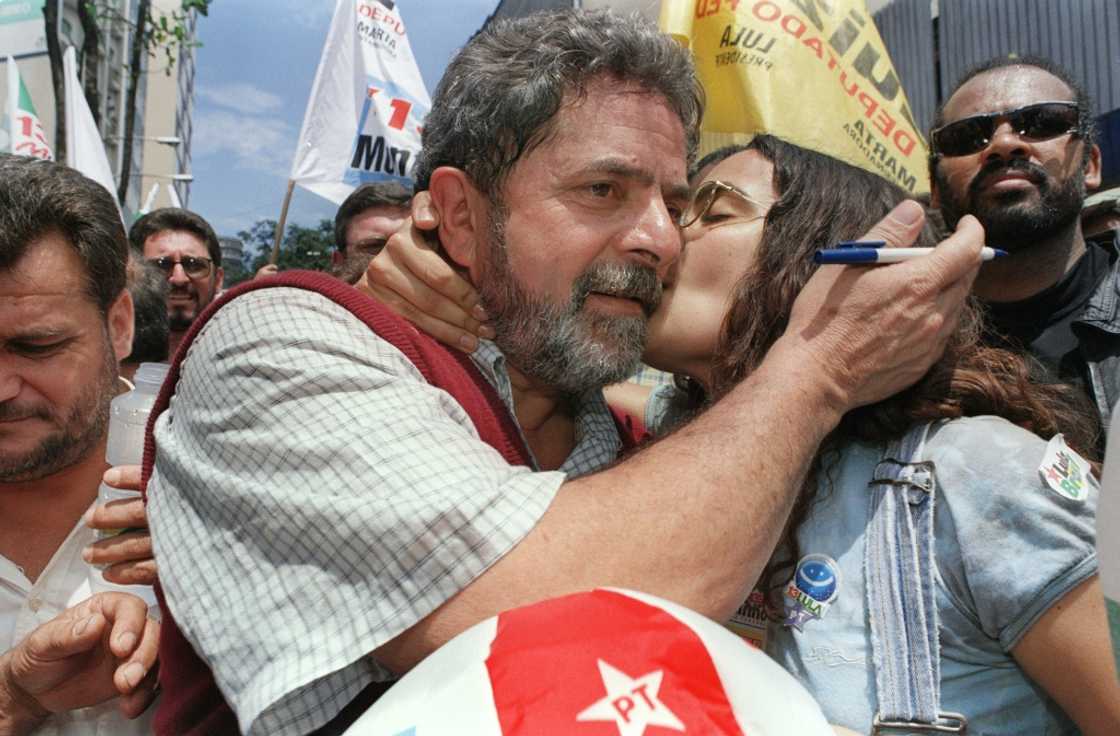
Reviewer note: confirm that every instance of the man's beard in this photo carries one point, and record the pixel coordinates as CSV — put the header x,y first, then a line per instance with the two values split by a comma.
x,y
561,345
76,434
1010,221
181,316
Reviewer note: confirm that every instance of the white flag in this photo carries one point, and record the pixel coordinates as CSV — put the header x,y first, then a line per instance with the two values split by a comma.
x,y
150,200
84,149
26,136
367,104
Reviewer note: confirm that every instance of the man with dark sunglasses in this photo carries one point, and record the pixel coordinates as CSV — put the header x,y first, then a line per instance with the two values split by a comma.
x,y
184,246
1014,146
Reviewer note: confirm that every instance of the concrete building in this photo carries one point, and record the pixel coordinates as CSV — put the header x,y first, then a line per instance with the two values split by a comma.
x,y
163,103
233,257
168,111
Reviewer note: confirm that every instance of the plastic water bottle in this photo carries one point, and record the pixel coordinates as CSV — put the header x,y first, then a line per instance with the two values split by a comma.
x,y
128,418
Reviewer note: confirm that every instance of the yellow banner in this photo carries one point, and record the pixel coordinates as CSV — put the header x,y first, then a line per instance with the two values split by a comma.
x,y
814,72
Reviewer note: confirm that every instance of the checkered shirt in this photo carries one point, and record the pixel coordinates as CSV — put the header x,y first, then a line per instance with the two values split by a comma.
x,y
313,497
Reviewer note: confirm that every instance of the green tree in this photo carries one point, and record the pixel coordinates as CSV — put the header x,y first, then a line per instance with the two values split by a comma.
x,y
301,248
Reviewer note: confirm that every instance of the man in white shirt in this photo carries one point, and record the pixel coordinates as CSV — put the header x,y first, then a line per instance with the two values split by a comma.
x,y
69,663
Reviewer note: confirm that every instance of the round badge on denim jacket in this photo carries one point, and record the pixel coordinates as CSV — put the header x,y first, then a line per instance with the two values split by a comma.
x,y
812,589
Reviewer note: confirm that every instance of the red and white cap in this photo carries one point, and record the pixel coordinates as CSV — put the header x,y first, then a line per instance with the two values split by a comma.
x,y
607,662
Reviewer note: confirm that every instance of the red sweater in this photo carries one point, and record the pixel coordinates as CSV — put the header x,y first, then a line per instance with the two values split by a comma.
x,y
191,703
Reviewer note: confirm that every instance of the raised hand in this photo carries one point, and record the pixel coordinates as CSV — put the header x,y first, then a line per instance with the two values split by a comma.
x,y
876,330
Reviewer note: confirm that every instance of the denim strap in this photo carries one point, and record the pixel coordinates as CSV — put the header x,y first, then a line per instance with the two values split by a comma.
x,y
899,573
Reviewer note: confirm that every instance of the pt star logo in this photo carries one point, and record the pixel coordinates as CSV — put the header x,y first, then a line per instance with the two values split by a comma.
x,y
631,703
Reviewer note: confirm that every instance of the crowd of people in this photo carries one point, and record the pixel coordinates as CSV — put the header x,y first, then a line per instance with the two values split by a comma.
x,y
349,470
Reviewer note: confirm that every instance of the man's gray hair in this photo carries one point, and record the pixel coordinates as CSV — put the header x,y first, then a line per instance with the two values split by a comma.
x,y
502,91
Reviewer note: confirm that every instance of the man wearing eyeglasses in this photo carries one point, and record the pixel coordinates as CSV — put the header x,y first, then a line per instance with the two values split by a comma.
x,y
1013,145
183,246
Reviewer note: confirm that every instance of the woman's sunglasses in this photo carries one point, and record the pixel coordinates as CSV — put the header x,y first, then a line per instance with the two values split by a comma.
x,y
710,191
193,266
1039,122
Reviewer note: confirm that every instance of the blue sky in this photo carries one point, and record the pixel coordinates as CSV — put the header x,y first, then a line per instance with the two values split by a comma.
x,y
254,73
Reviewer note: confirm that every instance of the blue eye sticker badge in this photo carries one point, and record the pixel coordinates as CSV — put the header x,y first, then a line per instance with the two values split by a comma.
x,y
811,590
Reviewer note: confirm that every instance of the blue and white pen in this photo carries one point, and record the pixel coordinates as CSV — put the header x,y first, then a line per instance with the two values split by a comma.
x,y
866,252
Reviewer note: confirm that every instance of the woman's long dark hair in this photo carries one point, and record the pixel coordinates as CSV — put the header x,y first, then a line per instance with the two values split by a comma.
x,y
823,201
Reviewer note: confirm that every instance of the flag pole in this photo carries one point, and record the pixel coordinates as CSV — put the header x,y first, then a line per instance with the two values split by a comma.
x,y
13,102
280,224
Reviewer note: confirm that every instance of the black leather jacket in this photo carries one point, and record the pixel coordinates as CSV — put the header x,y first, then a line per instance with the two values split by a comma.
x,y
1098,336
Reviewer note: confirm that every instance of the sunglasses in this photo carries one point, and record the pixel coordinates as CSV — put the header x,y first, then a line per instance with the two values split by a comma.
x,y
1038,122
710,192
193,266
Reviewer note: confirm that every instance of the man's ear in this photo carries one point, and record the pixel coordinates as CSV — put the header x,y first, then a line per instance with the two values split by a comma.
x,y
462,211
1093,168
219,278
120,323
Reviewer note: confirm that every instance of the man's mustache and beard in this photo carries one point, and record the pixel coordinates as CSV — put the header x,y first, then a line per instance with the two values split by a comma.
x,y
77,431
183,305
562,345
1013,220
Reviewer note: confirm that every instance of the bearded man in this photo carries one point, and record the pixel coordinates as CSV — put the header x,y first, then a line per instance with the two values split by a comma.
x,y
185,248
1013,146
335,494
69,663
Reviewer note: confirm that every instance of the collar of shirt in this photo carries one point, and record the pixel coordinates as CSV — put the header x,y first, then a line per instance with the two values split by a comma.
x,y
1027,319
597,439
64,582
24,606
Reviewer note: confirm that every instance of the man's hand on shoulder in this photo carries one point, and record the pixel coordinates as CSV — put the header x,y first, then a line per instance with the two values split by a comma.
x,y
100,649
873,331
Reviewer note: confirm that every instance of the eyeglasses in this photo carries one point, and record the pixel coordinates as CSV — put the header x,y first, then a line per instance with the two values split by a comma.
x,y
710,192
193,266
1038,122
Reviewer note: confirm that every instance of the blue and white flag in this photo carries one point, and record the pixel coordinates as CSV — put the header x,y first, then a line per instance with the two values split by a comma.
x,y
367,105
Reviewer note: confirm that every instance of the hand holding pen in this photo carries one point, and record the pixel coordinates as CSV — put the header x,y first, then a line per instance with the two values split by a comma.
x,y
872,252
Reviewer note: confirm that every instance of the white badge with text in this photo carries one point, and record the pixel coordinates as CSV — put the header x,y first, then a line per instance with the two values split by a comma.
x,y
1065,472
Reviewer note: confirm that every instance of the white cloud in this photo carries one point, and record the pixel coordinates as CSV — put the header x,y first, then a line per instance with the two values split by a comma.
x,y
242,97
259,142
305,13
